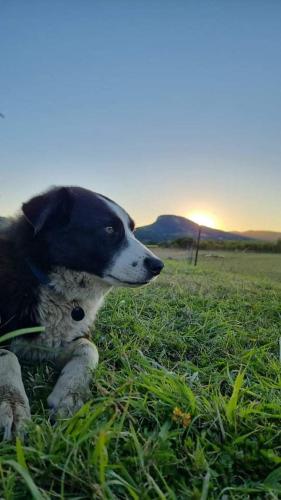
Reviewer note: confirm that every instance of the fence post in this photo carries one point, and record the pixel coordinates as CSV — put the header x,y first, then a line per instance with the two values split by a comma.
x,y
197,245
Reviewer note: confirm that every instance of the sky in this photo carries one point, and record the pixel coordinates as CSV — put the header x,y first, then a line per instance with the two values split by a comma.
x,y
165,106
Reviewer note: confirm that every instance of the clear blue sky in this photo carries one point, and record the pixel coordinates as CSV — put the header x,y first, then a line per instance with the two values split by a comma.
x,y
165,106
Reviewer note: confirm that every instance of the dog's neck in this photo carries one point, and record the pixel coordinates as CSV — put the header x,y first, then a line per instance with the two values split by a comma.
x,y
76,285
73,285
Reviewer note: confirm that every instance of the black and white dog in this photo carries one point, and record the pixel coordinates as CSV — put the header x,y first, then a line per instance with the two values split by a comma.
x,y
58,260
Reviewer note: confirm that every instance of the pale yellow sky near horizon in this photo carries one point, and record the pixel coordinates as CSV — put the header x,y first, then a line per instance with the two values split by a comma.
x,y
222,216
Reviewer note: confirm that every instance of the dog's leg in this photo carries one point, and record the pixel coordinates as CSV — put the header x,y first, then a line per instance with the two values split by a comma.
x,y
72,388
14,405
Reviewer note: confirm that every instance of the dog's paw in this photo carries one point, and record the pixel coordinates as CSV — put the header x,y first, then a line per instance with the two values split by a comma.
x,y
64,404
14,411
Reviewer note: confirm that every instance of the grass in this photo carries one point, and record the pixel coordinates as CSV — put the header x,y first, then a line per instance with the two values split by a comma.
x,y
186,399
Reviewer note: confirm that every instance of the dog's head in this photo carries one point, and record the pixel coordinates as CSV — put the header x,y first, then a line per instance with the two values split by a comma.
x,y
85,231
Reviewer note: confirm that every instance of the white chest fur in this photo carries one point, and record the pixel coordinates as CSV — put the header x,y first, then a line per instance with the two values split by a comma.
x,y
55,305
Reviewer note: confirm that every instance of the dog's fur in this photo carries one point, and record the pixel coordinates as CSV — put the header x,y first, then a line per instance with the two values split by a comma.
x,y
67,249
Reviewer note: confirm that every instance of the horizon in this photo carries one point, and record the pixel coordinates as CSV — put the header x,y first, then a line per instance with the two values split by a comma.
x,y
227,230
210,227
7,213
169,107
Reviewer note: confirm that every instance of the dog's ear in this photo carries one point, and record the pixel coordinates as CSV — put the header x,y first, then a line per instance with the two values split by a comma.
x,y
54,205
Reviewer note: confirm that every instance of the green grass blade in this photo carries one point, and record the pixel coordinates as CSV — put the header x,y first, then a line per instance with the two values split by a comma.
x,y
22,331
20,453
231,406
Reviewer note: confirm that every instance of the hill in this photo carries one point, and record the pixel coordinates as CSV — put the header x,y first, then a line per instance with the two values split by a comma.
x,y
262,235
171,227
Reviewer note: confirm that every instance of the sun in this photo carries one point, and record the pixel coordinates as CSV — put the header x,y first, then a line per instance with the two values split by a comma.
x,y
202,219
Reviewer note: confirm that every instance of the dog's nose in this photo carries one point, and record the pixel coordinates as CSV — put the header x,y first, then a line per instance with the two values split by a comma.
x,y
153,265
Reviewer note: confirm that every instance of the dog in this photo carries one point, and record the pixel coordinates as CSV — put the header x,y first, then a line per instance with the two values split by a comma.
x,y
58,260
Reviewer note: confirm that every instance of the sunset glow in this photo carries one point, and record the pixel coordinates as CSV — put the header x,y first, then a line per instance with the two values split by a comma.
x,y
203,219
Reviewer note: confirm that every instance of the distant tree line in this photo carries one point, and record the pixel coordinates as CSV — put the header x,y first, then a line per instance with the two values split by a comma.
x,y
242,245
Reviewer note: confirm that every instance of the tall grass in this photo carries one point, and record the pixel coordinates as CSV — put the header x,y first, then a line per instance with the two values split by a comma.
x,y
186,398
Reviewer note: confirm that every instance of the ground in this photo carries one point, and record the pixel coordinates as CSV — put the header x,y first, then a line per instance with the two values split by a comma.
x,y
186,399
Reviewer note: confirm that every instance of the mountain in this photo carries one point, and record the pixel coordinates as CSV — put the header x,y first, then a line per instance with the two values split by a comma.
x,y
262,235
172,227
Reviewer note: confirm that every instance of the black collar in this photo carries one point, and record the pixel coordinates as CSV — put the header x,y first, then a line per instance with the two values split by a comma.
x,y
39,274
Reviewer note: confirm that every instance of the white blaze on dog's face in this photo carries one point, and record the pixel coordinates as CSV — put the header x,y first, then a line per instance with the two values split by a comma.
x,y
133,264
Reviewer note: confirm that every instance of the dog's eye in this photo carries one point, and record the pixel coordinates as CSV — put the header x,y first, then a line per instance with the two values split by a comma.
x,y
109,230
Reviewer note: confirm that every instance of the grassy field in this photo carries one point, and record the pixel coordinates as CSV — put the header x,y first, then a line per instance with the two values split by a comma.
x,y
186,399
